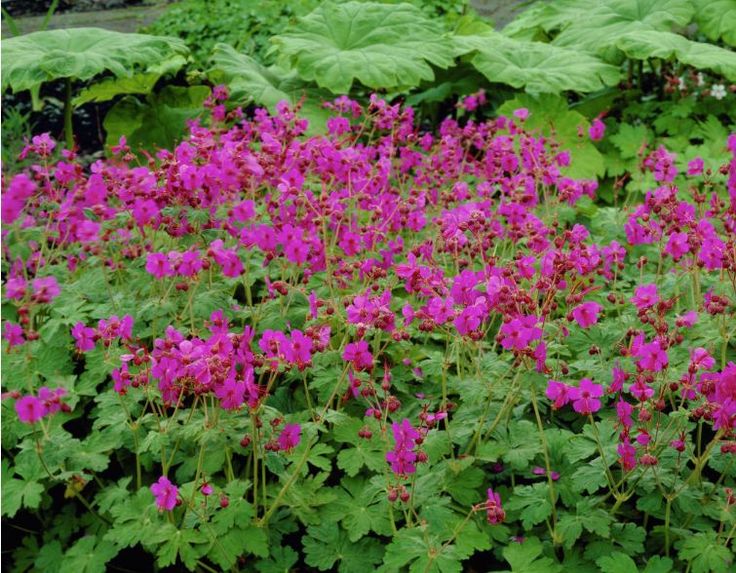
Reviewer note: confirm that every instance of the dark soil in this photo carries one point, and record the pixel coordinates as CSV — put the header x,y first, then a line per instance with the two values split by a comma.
x,y
19,8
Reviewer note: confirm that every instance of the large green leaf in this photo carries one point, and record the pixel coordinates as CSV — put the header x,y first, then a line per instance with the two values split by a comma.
x,y
553,118
666,45
597,25
379,45
160,121
536,66
250,82
717,19
81,53
140,83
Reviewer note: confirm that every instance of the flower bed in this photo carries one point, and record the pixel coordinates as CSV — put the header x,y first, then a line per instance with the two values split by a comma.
x,y
378,348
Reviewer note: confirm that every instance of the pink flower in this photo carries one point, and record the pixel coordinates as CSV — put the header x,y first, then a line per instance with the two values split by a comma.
x,y
298,350
166,494
688,319
597,130
627,455
231,393
586,314
695,167
29,409
623,412
652,356
677,246
700,359
521,114
84,337
158,265
585,397
13,333
15,288
519,332
559,393
403,457
359,354
726,384
645,296
45,289
289,437
494,512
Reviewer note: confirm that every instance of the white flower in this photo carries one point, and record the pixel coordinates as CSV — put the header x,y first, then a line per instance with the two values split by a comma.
x,y
701,79
718,91
681,85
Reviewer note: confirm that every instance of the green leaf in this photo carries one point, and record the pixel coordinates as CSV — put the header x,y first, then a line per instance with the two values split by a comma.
x,y
659,564
80,53
326,544
135,520
630,138
532,502
379,45
617,563
717,19
178,543
282,560
590,477
361,507
526,557
160,122
666,46
88,555
249,81
50,557
597,26
423,554
516,445
108,89
703,552
535,66
17,493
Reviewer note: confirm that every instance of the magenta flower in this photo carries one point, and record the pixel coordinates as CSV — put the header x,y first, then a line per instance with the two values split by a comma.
x,y
15,287
652,356
298,350
700,359
289,437
597,130
645,296
586,314
585,397
627,455
158,265
623,412
359,354
695,167
30,409
494,512
559,393
166,494
519,332
726,384
231,393
84,337
677,246
13,333
403,457
45,289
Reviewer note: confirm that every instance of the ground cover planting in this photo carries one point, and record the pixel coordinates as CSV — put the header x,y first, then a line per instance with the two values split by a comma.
x,y
377,348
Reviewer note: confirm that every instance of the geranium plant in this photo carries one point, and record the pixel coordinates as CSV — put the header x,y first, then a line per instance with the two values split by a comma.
x,y
376,349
